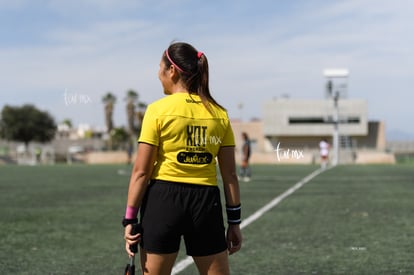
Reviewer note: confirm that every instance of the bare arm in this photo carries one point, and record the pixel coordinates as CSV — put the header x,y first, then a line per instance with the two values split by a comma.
x,y
141,174
231,188
228,172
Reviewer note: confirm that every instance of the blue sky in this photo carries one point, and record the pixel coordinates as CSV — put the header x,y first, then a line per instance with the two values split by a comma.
x,y
257,51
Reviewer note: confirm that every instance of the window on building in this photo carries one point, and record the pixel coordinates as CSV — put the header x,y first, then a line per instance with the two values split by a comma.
x,y
322,120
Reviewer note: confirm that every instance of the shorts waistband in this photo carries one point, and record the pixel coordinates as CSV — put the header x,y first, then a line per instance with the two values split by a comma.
x,y
184,184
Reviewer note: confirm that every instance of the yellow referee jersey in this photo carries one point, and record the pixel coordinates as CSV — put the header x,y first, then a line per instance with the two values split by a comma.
x,y
188,137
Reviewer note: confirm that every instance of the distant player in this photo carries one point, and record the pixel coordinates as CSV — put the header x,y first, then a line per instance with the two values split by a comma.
x,y
245,172
324,152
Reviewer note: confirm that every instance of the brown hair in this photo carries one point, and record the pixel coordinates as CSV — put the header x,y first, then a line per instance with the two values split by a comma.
x,y
192,66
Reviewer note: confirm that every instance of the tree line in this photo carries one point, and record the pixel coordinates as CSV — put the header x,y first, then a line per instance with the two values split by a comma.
x,y
27,123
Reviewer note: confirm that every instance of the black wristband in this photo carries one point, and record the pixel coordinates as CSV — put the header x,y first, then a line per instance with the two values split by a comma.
x,y
233,214
125,222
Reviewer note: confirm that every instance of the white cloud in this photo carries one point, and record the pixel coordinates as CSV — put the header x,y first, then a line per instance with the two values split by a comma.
x,y
280,54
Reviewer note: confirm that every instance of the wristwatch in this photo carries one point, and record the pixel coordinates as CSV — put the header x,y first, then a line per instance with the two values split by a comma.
x,y
125,222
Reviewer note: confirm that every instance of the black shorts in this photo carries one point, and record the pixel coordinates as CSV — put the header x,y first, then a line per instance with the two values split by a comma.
x,y
171,210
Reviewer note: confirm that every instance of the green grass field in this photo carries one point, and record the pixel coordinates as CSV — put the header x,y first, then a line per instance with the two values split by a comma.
x,y
347,220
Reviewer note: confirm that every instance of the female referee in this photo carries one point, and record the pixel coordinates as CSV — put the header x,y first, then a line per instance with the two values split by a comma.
x,y
173,181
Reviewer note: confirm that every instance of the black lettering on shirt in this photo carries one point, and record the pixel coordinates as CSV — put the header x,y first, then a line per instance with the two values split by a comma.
x,y
196,135
194,157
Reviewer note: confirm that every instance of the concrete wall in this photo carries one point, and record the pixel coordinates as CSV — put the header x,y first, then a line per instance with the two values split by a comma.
x,y
114,157
305,149
279,113
372,157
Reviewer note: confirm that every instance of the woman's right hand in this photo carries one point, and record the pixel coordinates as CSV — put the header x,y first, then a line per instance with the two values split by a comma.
x,y
130,239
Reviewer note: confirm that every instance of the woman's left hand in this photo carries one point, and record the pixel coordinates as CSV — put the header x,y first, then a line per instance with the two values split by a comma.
x,y
234,238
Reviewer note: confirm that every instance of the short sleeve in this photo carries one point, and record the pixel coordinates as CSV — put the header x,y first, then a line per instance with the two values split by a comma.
x,y
150,128
228,139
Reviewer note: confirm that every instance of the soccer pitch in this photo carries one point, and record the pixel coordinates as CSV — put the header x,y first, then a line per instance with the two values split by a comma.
x,y
347,220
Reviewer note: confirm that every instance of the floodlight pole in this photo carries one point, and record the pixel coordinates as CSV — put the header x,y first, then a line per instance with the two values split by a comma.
x,y
335,73
335,137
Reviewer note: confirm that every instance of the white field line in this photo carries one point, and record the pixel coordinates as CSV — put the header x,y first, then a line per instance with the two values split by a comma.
x,y
183,264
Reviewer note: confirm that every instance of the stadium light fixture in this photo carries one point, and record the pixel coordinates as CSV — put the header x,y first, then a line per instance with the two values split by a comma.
x,y
336,73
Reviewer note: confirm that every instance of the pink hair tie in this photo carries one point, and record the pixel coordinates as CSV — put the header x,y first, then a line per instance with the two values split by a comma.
x,y
199,54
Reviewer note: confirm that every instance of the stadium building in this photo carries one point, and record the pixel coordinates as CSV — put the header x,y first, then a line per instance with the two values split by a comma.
x,y
291,129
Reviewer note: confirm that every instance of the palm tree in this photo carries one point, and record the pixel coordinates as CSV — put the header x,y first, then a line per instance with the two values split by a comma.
x,y
140,114
109,101
131,98
67,122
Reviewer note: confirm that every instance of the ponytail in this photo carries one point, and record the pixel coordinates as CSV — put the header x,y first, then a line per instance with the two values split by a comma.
x,y
192,66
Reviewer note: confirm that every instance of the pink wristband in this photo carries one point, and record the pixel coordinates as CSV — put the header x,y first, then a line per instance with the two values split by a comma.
x,y
131,212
